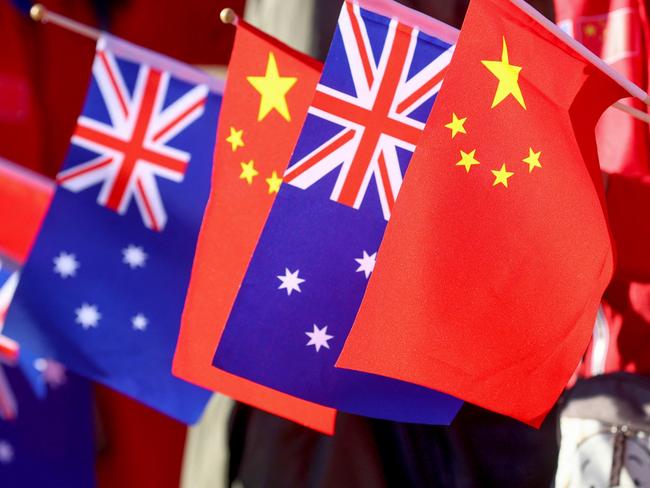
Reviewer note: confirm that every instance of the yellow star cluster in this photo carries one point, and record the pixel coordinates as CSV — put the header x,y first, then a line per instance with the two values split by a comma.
x,y
508,86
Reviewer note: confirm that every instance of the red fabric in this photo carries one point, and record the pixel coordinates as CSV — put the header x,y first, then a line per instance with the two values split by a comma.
x,y
483,291
617,31
46,70
186,30
24,199
138,446
622,344
235,216
623,144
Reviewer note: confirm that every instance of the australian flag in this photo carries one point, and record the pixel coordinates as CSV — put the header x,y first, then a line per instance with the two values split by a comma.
x,y
104,286
310,269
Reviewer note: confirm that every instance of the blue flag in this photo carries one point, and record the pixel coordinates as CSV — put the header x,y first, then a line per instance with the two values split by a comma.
x,y
104,287
310,269
51,441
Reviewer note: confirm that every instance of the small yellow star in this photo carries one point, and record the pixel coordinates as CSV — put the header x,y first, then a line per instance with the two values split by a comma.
x,y
590,30
274,183
235,138
533,159
248,171
467,160
508,76
501,176
456,125
273,89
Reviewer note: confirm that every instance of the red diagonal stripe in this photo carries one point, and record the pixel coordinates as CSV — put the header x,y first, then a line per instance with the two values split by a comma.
x,y
147,206
420,92
358,36
178,119
113,80
345,137
73,174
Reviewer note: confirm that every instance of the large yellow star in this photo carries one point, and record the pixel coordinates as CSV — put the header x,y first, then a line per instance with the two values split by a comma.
x,y
236,138
501,176
508,76
467,160
248,171
456,125
274,183
533,159
273,89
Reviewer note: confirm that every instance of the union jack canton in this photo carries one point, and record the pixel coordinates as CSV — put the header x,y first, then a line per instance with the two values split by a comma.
x,y
380,109
130,150
317,251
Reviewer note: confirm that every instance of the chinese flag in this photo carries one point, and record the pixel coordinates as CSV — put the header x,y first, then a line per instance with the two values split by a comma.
x,y
267,95
489,277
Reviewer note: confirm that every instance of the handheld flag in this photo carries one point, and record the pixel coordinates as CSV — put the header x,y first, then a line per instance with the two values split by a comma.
x,y
492,268
104,286
310,268
267,94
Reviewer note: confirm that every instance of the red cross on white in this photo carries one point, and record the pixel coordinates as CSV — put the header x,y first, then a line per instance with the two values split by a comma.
x,y
132,150
375,121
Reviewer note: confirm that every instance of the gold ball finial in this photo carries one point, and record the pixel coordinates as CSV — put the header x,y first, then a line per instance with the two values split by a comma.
x,y
228,16
37,12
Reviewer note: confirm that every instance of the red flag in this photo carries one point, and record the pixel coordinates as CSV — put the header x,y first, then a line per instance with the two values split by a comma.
x,y
617,31
267,95
24,198
493,264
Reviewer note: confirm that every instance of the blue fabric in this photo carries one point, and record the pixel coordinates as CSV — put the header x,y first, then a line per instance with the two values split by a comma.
x,y
44,316
266,337
51,442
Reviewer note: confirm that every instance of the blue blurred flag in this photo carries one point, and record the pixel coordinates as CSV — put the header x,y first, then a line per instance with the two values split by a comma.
x,y
51,442
104,287
309,272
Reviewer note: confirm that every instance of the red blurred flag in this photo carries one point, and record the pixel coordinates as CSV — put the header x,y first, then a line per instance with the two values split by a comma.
x,y
267,95
618,32
493,264
24,198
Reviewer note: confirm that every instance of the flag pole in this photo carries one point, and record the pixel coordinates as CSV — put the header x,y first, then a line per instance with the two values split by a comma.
x,y
39,13
634,90
228,16
634,112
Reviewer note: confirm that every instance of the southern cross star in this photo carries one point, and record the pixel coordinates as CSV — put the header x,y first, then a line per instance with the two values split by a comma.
x,y
319,338
88,316
290,281
366,263
65,264
134,256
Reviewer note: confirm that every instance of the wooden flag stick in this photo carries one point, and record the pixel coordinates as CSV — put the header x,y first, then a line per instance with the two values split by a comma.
x,y
634,90
41,14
